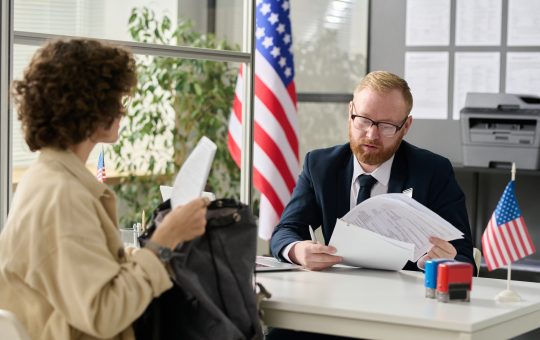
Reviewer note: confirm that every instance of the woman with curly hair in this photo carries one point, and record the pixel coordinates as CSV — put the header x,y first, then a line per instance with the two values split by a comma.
x,y
63,269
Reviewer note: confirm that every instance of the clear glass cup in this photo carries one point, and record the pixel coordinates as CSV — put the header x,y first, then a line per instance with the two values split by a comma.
x,y
129,237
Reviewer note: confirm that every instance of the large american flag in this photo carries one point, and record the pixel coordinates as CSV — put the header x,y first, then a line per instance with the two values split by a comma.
x,y
506,238
275,153
101,168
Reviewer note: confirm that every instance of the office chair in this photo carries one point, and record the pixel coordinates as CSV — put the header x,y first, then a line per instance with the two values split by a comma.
x,y
477,256
10,327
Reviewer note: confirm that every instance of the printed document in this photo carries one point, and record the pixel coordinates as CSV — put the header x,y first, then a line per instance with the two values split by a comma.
x,y
427,74
387,230
191,179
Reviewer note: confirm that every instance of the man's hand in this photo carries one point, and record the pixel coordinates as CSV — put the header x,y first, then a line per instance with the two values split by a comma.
x,y
314,256
441,250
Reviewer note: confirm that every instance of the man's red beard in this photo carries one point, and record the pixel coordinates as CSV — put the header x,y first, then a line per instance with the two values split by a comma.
x,y
376,157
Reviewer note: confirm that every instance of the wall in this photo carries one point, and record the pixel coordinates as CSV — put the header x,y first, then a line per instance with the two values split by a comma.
x,y
386,52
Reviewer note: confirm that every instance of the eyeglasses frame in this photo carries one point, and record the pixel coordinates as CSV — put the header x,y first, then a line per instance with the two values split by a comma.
x,y
376,123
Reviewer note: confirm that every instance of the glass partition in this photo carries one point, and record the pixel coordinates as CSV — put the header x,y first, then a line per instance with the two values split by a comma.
x,y
330,44
176,103
181,94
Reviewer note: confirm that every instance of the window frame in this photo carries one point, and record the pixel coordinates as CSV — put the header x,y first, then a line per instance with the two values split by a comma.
x,y
9,38
6,54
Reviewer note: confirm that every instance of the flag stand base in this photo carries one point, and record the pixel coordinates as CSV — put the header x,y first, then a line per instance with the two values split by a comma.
x,y
507,296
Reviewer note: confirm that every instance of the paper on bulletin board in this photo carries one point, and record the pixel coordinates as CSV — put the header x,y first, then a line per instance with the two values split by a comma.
x,y
427,76
523,73
474,72
478,22
427,23
523,23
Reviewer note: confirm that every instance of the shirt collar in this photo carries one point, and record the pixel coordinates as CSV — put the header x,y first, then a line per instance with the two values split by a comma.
x,y
75,166
381,174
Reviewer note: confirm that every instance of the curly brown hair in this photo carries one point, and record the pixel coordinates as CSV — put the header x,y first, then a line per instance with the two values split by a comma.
x,y
70,89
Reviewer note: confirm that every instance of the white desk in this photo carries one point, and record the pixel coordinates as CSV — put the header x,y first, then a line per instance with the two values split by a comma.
x,y
391,305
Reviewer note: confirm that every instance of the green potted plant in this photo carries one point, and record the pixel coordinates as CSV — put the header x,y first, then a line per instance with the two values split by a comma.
x,y
177,101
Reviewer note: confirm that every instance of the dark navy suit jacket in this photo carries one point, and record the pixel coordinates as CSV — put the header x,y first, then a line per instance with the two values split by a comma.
x,y
322,194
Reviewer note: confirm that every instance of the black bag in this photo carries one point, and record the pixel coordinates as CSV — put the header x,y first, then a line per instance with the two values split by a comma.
x,y
213,296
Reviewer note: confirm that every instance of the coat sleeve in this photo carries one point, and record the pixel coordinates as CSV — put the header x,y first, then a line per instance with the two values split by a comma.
x,y
448,201
302,210
97,292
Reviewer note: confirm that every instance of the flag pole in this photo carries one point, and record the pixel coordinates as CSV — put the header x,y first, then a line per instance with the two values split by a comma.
x,y
509,295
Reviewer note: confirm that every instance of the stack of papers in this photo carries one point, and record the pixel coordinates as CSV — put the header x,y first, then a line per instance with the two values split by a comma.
x,y
386,231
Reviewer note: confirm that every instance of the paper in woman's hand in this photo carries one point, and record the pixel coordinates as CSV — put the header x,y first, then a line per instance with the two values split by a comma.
x,y
191,179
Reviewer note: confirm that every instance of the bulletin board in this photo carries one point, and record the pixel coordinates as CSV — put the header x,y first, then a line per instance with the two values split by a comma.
x,y
455,47
446,48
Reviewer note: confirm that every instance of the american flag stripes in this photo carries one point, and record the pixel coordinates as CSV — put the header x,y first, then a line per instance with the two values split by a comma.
x,y
101,168
275,153
506,238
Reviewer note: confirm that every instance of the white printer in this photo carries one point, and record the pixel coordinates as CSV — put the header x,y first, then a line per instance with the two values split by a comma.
x,y
500,128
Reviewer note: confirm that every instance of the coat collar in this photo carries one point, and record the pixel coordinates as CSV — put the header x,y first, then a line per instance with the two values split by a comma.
x,y
69,161
343,184
400,170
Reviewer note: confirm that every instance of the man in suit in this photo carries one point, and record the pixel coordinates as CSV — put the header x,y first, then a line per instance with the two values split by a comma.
x,y
375,161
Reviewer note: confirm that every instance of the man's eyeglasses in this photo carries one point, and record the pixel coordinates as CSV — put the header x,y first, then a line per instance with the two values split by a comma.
x,y
385,129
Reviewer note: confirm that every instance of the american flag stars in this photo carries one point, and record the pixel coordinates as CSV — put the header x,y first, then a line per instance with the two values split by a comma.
x,y
268,41
276,163
506,238
265,8
259,33
101,175
507,209
273,18
287,39
273,35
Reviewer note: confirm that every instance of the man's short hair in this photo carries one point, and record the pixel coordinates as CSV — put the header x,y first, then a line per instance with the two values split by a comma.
x,y
382,81
70,89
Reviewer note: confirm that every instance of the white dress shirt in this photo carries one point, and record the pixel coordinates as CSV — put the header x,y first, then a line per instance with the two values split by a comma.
x,y
381,174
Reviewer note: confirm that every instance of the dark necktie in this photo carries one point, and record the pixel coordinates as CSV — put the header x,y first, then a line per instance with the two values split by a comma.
x,y
366,183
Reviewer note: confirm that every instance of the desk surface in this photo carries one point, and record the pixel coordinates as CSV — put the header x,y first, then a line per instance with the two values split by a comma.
x,y
391,305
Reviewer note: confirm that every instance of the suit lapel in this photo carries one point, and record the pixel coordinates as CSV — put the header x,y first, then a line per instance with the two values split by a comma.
x,y
399,172
343,186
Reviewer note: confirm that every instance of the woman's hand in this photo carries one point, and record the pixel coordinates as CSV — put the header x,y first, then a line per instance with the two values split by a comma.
x,y
183,223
